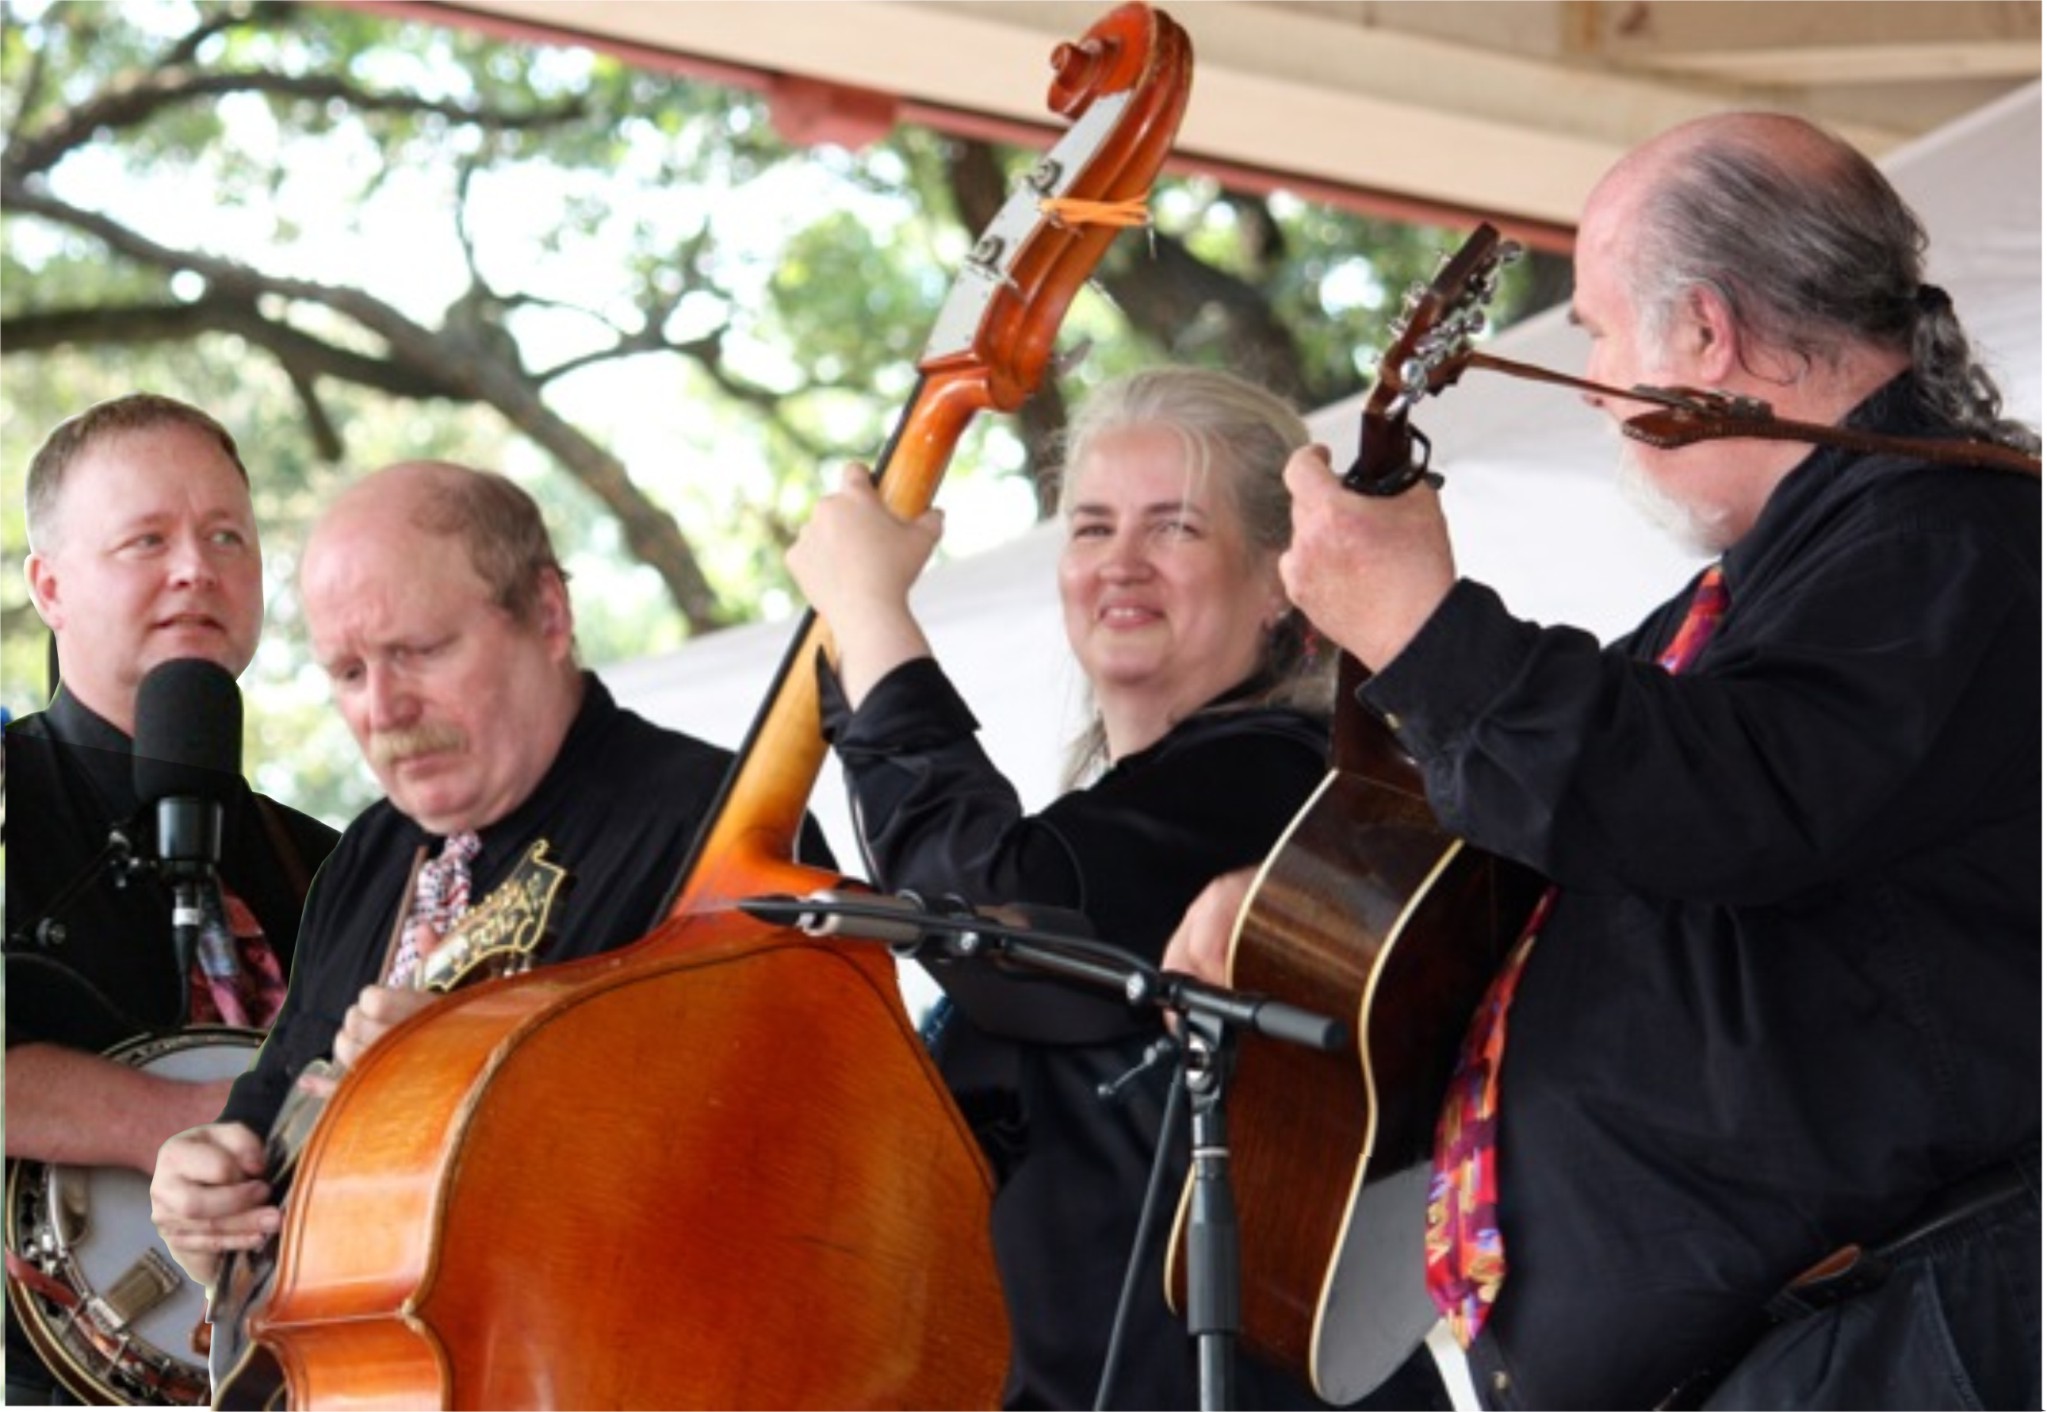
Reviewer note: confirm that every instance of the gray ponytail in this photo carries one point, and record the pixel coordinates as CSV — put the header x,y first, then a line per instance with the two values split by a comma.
x,y
1955,385
1810,261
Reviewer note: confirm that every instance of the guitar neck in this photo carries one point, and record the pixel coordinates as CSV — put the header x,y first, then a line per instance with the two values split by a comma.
x,y
1360,742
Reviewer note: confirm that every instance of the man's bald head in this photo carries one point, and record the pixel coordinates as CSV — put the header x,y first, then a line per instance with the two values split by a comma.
x,y
1808,244
495,522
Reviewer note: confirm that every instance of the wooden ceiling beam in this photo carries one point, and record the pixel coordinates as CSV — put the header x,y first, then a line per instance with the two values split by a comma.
x,y
1831,65
1406,99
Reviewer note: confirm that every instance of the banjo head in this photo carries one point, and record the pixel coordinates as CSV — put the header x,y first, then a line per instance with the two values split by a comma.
x,y
109,1310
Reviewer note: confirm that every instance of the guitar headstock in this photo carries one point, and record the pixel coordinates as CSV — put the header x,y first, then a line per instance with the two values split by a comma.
x,y
1431,341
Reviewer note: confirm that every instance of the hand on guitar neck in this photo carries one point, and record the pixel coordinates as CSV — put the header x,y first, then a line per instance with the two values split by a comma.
x,y
1370,560
1367,570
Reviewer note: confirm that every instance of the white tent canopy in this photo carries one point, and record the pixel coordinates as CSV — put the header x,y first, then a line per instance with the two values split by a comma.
x,y
1531,497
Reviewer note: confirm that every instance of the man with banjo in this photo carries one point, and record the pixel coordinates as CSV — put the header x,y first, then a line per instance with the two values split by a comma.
x,y
145,564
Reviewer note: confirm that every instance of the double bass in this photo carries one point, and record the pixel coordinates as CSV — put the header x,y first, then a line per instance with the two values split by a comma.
x,y
716,1167
1368,910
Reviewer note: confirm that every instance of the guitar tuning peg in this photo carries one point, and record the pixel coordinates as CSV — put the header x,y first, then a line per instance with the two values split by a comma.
x,y
987,252
1043,176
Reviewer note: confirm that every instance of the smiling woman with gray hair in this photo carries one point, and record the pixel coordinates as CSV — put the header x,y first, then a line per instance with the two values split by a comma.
x,y
1207,731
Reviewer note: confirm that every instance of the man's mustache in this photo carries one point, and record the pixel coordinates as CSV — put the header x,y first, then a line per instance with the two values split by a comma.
x,y
390,747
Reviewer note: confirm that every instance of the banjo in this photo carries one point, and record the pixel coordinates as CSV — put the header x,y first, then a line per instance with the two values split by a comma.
x,y
89,1279
93,1285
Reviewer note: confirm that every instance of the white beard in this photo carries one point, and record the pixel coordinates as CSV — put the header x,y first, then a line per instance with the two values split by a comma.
x,y
1702,529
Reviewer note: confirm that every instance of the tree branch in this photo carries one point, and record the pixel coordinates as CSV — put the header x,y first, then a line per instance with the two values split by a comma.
x,y
31,86
706,350
137,97
326,439
216,312
457,368
1189,306
220,22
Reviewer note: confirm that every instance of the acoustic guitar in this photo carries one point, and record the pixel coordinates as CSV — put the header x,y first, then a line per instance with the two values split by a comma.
x,y
1367,910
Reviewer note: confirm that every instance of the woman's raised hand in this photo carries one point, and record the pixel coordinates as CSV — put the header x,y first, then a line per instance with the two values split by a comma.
x,y
855,562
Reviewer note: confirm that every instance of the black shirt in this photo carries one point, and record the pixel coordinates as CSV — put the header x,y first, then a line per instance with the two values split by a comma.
x,y
621,805
1129,853
1791,986
114,974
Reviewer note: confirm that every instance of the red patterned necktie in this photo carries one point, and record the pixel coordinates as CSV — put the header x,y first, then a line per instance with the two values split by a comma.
x,y
439,896
236,979
1465,1259
1709,605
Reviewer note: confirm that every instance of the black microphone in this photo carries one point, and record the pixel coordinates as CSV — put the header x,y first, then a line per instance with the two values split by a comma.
x,y
1260,1014
188,764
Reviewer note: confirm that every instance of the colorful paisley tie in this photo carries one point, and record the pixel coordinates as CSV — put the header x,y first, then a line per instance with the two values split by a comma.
x,y
1464,1256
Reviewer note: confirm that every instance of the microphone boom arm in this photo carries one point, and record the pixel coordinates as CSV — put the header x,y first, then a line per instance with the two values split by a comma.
x,y
912,928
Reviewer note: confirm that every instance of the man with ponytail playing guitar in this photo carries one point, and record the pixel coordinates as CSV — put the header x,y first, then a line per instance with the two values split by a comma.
x,y
1753,1112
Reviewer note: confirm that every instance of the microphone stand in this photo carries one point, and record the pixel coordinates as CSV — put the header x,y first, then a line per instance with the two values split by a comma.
x,y
35,949
187,916
116,856
188,835
1210,1018
1208,1056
